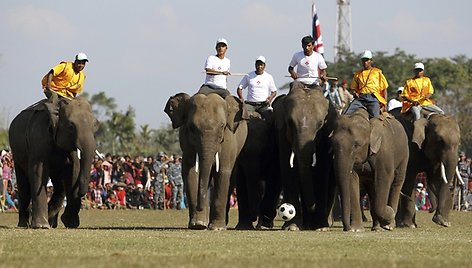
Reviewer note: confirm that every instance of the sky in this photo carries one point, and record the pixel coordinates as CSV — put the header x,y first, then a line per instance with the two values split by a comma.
x,y
142,52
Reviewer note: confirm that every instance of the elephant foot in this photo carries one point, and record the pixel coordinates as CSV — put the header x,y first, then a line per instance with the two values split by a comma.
x,y
23,225
263,225
438,219
214,227
407,224
70,222
40,226
197,225
387,227
377,228
322,229
244,226
53,221
290,227
356,230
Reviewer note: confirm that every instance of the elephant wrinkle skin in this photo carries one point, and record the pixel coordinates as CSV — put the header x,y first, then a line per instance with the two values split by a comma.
x,y
208,124
304,119
41,153
433,141
364,153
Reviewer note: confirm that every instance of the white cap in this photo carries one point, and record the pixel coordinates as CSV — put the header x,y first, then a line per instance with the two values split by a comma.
x,y
400,89
367,54
81,56
221,40
419,65
139,185
420,185
261,58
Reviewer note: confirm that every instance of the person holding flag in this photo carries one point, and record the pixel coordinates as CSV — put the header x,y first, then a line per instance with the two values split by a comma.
x,y
310,64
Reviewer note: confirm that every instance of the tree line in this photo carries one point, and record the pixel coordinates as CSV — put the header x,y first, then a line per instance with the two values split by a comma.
x,y
451,78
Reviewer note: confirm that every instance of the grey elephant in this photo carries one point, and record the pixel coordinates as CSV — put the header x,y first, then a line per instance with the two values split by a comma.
x,y
304,118
434,144
375,153
257,178
62,151
212,132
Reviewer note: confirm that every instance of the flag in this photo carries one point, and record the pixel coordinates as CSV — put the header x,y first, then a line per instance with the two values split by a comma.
x,y
316,31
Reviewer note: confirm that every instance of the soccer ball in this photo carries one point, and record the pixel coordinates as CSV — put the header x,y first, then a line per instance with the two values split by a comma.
x,y
286,211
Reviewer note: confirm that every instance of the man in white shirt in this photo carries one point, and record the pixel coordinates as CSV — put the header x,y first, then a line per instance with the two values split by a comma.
x,y
261,89
395,102
217,68
311,65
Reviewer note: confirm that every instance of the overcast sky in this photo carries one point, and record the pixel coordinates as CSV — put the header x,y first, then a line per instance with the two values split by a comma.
x,y
142,52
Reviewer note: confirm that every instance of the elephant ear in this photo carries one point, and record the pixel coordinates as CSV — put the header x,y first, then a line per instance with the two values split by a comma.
x,y
376,128
279,111
175,109
235,113
419,129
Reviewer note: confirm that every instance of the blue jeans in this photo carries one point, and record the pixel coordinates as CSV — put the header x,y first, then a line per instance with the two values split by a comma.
x,y
367,101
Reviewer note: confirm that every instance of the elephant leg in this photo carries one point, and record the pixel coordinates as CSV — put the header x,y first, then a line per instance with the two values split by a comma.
x,y
24,198
70,217
218,200
39,175
269,201
55,203
190,177
382,185
407,210
441,216
244,218
356,213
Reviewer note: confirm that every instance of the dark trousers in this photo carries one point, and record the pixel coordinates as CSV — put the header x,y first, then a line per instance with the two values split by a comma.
x,y
367,101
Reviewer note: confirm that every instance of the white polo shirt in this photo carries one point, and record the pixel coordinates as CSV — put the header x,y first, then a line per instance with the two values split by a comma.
x,y
307,66
220,65
259,86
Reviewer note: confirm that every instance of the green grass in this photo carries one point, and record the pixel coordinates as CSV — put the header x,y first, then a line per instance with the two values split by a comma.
x,y
131,238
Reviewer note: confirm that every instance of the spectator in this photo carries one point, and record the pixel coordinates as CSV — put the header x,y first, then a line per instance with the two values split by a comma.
x,y
112,201
344,94
120,193
176,181
330,91
160,166
464,170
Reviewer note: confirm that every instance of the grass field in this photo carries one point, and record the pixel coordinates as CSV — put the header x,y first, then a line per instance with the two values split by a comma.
x,y
132,238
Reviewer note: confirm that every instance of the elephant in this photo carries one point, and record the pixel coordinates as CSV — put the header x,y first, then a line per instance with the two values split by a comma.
x,y
212,132
434,143
375,153
304,118
63,153
257,177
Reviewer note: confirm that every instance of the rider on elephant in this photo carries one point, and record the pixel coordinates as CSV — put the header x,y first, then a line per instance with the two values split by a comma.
x,y
370,87
417,93
66,79
258,83
310,64
217,68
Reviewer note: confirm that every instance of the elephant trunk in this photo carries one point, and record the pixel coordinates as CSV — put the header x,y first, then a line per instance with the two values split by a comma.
x,y
82,173
206,161
343,167
305,160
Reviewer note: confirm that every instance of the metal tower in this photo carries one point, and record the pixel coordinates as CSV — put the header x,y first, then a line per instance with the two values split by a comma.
x,y
343,39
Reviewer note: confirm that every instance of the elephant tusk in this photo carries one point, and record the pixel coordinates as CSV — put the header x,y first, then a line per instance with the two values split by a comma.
x,y
78,153
196,163
459,177
292,156
443,172
217,162
314,160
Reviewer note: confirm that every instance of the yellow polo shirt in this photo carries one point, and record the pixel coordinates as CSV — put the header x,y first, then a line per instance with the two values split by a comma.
x,y
65,81
370,82
415,89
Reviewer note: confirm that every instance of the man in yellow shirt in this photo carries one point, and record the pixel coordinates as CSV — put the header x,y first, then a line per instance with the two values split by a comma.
x,y
66,79
370,88
417,93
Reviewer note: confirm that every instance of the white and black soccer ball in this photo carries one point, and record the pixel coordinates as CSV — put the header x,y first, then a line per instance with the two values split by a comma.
x,y
286,211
